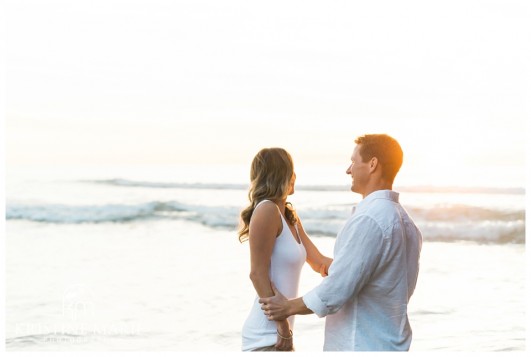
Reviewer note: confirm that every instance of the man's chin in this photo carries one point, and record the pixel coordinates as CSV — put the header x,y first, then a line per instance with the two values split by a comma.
x,y
355,189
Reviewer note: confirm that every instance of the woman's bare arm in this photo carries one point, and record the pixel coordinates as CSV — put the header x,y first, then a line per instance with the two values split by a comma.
x,y
314,258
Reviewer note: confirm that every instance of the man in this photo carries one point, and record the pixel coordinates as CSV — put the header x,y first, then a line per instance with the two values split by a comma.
x,y
376,262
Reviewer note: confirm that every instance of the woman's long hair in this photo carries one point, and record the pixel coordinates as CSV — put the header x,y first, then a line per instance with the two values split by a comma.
x,y
271,173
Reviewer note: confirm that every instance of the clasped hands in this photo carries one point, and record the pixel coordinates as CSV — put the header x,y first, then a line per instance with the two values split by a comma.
x,y
275,307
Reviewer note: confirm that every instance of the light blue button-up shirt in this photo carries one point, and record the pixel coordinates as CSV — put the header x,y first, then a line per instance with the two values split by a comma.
x,y
374,273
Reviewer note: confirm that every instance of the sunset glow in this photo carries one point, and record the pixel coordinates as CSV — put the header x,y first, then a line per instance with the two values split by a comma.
x,y
181,92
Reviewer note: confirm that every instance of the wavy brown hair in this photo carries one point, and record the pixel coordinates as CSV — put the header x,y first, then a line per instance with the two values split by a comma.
x,y
271,172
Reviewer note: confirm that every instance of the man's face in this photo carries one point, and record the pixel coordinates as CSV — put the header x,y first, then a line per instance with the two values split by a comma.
x,y
359,171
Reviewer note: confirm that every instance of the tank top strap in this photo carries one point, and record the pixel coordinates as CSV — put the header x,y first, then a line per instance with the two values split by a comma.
x,y
297,230
259,203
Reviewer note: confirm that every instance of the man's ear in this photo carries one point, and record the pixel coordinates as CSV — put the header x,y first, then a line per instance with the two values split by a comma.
x,y
373,164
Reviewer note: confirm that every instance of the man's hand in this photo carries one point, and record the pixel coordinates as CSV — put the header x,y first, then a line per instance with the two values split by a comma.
x,y
275,307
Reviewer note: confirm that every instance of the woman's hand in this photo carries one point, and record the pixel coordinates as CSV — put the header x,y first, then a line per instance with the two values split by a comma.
x,y
325,265
322,265
284,336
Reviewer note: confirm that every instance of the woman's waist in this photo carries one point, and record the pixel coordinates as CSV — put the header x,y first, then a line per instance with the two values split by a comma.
x,y
258,318
287,287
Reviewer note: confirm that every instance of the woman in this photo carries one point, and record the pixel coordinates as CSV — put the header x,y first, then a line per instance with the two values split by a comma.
x,y
279,246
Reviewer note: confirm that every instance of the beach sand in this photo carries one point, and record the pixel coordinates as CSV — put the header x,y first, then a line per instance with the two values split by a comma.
x,y
180,286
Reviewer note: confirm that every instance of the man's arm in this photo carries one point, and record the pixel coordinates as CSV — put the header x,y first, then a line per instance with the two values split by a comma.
x,y
354,264
277,307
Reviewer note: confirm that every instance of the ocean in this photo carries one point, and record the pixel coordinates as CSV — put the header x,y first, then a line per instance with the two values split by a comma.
x,y
148,259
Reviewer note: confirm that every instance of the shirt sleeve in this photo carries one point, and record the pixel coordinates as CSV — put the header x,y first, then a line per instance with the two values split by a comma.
x,y
353,265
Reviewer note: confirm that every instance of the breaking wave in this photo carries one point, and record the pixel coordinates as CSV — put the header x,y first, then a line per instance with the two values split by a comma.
x,y
437,223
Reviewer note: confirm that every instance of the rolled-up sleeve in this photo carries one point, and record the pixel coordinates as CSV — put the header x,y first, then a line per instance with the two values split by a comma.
x,y
314,303
361,243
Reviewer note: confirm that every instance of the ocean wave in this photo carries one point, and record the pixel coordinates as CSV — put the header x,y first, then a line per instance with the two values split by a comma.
x,y
500,232
482,231
464,213
438,223
326,188
185,185
58,213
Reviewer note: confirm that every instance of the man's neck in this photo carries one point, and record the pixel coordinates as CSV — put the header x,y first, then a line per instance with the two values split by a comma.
x,y
377,187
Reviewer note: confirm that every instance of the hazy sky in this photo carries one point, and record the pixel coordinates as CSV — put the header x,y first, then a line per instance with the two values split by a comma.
x,y
211,82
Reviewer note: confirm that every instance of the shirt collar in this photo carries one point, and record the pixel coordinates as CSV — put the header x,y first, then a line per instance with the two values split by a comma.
x,y
384,194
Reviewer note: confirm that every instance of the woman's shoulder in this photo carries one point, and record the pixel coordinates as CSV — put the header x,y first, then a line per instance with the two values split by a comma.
x,y
266,205
266,215
266,209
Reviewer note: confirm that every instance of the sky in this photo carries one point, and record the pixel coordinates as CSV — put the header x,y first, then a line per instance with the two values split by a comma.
x,y
143,83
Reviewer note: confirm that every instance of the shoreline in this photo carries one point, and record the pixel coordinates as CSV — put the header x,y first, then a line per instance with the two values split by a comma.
x,y
186,287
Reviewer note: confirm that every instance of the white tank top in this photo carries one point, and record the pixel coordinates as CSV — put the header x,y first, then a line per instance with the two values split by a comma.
x,y
287,260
